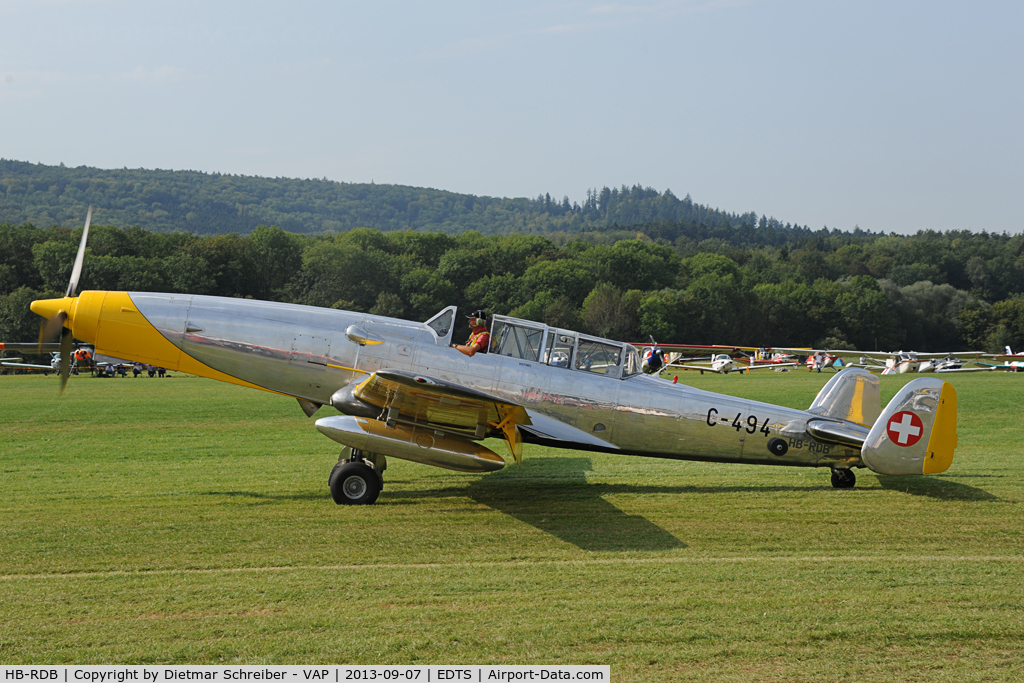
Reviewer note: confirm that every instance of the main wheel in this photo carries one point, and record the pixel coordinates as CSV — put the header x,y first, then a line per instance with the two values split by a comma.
x,y
843,479
354,483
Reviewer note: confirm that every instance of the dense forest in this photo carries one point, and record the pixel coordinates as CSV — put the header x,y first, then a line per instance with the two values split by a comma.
x,y
216,204
758,284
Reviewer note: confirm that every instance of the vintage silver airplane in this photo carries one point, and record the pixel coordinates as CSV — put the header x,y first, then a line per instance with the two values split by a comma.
x,y
404,393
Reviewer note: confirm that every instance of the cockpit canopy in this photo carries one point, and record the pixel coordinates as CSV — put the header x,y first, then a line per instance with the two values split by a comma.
x,y
559,348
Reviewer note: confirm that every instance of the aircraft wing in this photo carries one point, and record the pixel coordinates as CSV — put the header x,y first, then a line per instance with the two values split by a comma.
x,y
432,401
842,353
984,369
952,354
767,366
26,366
702,368
994,366
697,350
33,347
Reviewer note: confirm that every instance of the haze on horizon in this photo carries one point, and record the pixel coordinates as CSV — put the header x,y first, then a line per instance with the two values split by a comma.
x,y
888,116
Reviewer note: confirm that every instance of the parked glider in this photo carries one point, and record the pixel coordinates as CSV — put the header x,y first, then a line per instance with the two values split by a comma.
x,y
404,393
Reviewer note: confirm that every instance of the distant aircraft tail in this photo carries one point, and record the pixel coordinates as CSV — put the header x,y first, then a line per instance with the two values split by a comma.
x,y
916,433
1008,351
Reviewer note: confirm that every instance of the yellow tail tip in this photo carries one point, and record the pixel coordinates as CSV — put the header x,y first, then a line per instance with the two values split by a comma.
x,y
943,439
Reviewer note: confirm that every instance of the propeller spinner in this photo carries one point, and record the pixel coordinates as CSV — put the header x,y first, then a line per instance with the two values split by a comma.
x,y
56,316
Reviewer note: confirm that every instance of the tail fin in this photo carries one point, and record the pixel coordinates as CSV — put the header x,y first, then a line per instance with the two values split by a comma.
x,y
852,394
916,433
1008,351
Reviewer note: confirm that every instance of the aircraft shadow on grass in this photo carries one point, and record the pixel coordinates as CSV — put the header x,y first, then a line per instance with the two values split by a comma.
x,y
552,494
935,487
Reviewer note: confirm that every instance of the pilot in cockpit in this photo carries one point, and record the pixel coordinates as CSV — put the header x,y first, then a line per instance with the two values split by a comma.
x,y
479,339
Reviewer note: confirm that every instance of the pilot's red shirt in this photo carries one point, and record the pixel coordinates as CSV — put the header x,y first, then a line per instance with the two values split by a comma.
x,y
479,340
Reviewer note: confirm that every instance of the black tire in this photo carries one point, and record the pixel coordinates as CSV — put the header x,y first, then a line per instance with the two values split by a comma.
x,y
334,470
843,479
354,483
778,447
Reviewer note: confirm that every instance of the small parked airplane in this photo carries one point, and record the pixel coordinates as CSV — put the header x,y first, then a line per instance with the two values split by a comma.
x,y
723,363
1008,364
902,362
81,358
657,357
54,365
403,392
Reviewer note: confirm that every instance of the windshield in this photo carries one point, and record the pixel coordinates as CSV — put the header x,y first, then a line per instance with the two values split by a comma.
x,y
442,322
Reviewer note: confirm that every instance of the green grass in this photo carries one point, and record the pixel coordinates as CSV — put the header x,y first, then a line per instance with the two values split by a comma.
x,y
182,520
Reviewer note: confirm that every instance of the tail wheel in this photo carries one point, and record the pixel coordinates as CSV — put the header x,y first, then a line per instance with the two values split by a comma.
x,y
354,483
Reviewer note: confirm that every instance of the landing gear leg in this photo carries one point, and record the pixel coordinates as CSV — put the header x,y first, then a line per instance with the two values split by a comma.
x,y
354,481
843,478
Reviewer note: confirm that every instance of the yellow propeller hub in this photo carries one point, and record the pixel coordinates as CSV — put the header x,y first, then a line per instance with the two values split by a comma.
x,y
51,307
84,311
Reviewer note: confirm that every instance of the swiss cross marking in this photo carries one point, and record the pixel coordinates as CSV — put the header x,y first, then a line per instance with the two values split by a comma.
x,y
905,428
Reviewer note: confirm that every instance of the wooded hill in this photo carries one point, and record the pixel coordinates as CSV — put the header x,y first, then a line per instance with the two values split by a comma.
x,y
215,204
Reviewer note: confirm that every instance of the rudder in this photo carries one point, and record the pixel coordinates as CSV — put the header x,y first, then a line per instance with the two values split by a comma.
x,y
916,433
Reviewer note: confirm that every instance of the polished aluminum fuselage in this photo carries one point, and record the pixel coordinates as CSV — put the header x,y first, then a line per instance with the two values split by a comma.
x,y
304,352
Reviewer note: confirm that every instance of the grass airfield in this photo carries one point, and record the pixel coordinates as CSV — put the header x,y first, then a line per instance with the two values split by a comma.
x,y
187,521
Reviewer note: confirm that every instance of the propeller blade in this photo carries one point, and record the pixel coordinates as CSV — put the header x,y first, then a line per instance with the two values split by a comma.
x,y
65,357
50,328
76,272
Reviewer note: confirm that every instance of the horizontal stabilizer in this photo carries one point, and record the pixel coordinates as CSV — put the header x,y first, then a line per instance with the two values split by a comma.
x,y
843,433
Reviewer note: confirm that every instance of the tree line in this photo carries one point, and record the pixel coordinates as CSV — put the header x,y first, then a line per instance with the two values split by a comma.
x,y
927,292
214,204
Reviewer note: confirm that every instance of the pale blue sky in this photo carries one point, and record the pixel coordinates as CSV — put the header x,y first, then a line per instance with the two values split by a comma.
x,y
889,115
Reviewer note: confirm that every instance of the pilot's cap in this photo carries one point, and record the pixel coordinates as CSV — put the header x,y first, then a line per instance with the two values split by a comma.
x,y
478,314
